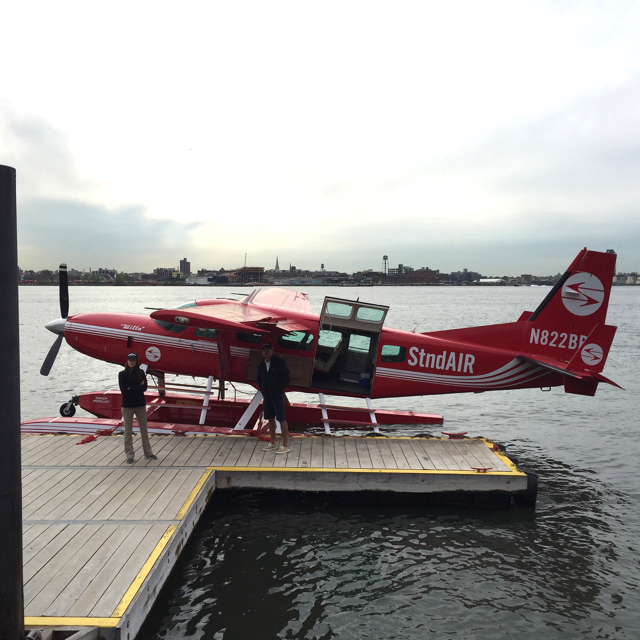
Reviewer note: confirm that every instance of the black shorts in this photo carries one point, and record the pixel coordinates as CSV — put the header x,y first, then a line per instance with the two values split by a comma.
x,y
274,408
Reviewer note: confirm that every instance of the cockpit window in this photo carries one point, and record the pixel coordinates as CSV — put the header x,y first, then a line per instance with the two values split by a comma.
x,y
168,326
299,340
210,334
245,336
186,305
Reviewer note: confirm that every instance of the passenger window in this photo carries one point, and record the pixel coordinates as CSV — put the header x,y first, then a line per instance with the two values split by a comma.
x,y
338,309
328,338
253,338
210,334
392,353
370,315
359,343
298,340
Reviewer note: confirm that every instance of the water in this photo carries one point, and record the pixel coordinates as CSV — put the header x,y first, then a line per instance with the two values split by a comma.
x,y
264,565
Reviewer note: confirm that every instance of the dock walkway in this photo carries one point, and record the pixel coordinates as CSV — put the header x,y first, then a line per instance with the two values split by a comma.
x,y
100,537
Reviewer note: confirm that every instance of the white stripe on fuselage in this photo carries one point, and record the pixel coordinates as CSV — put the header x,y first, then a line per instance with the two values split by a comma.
x,y
512,373
151,338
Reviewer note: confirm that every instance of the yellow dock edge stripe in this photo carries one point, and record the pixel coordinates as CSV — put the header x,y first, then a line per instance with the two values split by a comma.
x,y
192,496
515,471
144,572
502,455
48,621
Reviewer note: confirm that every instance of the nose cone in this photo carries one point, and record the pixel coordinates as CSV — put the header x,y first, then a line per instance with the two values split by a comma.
x,y
56,326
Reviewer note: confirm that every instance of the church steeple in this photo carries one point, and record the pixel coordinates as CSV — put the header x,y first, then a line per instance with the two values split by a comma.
x,y
277,266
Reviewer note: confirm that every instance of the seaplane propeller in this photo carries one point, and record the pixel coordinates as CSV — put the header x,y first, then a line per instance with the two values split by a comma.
x,y
57,326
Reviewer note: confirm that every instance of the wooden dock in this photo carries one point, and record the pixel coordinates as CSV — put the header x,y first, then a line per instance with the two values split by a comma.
x,y
100,537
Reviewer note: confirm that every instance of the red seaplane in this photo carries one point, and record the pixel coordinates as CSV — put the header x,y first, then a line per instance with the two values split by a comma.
x,y
345,350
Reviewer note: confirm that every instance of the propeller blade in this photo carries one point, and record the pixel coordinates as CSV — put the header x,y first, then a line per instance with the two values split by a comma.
x,y
63,281
51,356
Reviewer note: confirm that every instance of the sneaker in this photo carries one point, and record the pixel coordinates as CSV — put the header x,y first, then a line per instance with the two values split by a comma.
x,y
270,447
151,457
130,460
283,450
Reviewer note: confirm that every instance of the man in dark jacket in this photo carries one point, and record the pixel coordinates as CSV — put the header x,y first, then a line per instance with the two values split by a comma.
x,y
273,379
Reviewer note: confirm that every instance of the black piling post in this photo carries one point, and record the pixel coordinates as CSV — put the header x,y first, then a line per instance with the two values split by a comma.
x,y
11,594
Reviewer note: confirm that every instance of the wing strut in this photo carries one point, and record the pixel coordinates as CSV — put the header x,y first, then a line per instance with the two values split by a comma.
x,y
246,416
205,402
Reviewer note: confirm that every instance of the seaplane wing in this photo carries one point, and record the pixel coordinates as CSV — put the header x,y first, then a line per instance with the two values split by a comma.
x,y
281,298
253,312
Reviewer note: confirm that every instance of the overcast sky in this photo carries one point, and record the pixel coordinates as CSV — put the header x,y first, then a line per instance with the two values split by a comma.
x,y
498,136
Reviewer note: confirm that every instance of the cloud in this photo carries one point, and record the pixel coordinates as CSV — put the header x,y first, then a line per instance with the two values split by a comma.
x,y
87,235
59,219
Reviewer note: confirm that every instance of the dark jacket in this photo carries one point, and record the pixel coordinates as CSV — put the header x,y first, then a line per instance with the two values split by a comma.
x,y
273,383
133,384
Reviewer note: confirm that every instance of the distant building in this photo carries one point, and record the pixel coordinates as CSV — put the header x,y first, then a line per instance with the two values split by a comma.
x,y
164,272
185,267
246,275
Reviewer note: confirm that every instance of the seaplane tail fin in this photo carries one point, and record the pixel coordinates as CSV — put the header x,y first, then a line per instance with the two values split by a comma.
x,y
581,296
567,332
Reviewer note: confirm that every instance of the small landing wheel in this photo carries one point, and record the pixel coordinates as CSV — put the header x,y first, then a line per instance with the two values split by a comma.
x,y
67,410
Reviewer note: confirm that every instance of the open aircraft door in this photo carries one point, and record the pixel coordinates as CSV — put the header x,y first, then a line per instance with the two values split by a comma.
x,y
348,339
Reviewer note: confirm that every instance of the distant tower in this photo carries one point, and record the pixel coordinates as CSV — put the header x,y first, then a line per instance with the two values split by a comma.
x,y
185,267
385,264
277,269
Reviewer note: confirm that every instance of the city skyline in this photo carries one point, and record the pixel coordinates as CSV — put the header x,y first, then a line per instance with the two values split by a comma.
x,y
502,135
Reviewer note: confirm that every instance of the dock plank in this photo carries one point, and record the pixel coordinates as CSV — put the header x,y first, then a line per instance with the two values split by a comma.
x,y
183,459
351,452
246,452
398,454
421,453
204,453
222,453
64,567
457,455
44,550
190,478
43,535
328,453
408,449
292,459
64,495
132,553
304,457
375,454
90,503
432,452
36,455
364,458
106,544
316,453
236,450
59,478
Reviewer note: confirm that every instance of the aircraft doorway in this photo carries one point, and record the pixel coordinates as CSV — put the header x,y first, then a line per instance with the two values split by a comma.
x,y
347,346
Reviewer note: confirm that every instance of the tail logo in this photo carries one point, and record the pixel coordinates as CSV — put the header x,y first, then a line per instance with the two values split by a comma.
x,y
592,354
582,294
